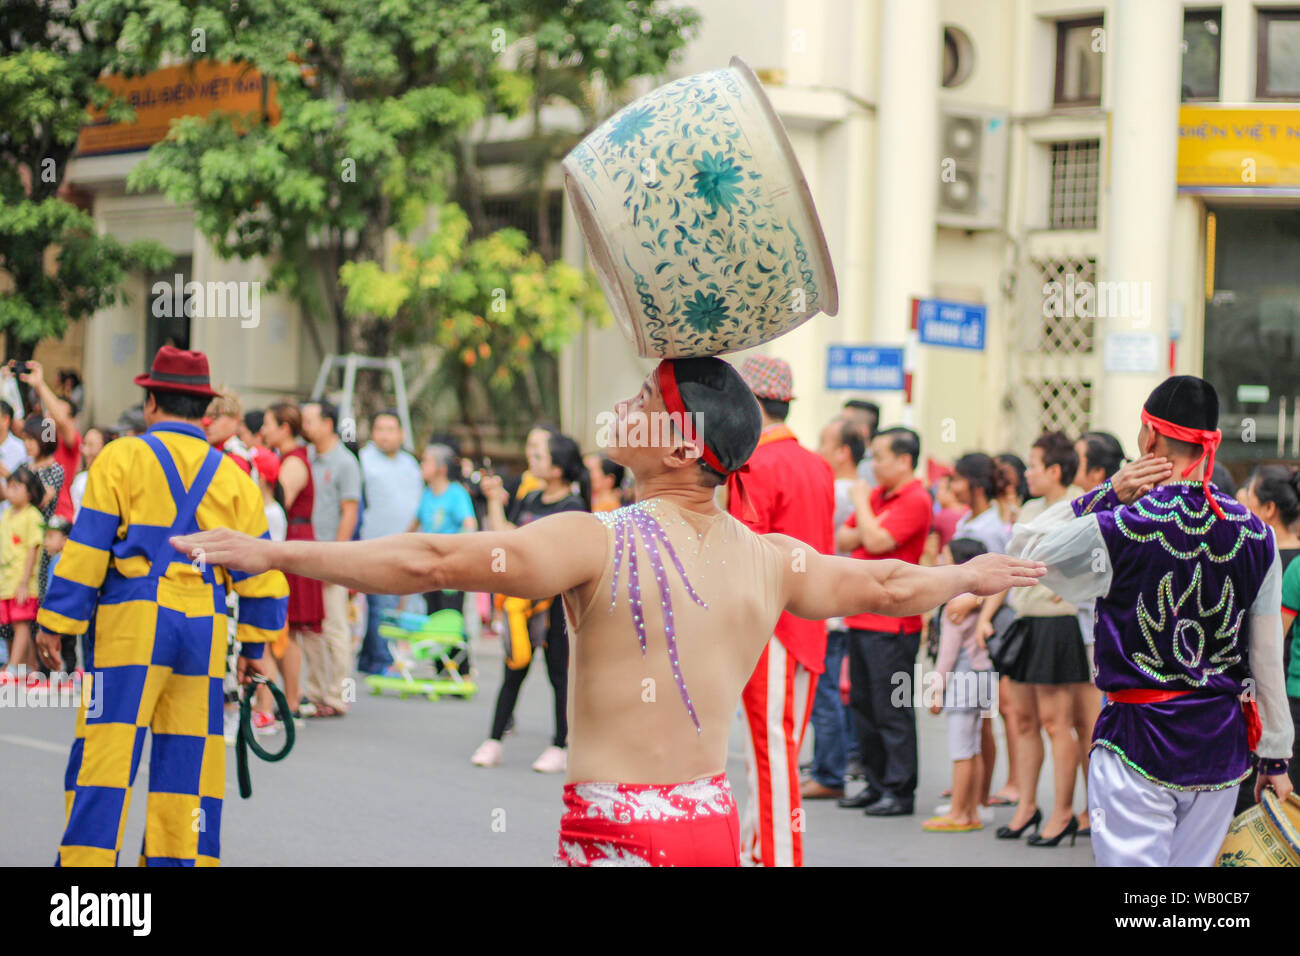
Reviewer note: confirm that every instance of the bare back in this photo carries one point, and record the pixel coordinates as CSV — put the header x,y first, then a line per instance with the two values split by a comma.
x,y
628,717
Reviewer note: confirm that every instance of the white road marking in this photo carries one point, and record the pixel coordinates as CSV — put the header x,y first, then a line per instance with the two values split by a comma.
x,y
35,744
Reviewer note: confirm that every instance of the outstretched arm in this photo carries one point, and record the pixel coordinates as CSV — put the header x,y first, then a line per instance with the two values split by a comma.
x,y
542,559
837,587
56,409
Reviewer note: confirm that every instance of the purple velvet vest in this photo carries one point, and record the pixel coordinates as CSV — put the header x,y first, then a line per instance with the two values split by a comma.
x,y
1176,618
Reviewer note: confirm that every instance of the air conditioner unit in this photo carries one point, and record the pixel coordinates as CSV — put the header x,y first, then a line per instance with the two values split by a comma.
x,y
972,169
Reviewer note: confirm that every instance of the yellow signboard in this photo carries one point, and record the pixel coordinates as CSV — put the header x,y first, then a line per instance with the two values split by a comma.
x,y
1251,147
164,95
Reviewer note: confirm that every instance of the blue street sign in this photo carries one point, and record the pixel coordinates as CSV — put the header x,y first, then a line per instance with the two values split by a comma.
x,y
954,324
865,367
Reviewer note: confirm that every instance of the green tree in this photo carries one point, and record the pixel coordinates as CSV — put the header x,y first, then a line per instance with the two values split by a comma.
x,y
376,101
581,55
371,97
58,268
493,307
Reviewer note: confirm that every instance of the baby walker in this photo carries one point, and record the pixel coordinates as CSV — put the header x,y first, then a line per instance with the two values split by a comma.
x,y
430,654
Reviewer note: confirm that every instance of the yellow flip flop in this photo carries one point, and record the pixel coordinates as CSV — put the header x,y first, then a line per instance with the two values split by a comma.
x,y
949,825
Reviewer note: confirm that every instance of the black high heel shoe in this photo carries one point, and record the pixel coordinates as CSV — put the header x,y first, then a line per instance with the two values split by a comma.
x,y
1006,833
1071,830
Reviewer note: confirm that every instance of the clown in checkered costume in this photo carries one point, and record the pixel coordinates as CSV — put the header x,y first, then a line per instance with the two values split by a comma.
x,y
157,624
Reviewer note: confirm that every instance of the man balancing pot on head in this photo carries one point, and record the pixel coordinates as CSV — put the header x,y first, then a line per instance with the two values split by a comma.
x,y
157,626
670,600
1188,638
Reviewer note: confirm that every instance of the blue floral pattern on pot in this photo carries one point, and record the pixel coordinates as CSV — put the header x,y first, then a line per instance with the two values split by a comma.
x,y
703,218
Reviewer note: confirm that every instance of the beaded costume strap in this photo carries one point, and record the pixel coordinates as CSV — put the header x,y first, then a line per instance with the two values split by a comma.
x,y
627,524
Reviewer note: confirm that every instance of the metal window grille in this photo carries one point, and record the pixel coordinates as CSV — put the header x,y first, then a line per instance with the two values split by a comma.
x,y
1060,404
1075,168
1064,316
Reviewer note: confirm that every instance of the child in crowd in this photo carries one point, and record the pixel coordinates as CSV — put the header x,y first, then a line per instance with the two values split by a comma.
x,y
964,676
56,536
20,545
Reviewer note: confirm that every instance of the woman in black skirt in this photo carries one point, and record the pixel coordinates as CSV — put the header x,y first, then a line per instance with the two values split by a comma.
x,y
1053,664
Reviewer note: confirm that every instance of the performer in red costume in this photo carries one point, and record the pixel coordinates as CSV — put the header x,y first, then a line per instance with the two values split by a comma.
x,y
787,490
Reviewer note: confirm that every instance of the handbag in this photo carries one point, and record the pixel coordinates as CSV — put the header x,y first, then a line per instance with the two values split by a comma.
x,y
1006,645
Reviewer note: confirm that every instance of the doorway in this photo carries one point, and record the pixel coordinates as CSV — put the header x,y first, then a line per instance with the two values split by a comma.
x,y
1252,332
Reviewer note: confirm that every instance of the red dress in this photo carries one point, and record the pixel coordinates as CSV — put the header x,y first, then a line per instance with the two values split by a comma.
x,y
306,603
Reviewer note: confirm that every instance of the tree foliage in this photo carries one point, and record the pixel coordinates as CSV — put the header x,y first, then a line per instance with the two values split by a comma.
x,y
58,268
377,100
371,99
492,305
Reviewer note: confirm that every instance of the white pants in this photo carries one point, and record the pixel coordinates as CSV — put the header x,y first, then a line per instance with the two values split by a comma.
x,y
1139,823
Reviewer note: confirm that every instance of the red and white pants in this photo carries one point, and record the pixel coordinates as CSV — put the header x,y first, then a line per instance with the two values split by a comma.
x,y
648,824
778,702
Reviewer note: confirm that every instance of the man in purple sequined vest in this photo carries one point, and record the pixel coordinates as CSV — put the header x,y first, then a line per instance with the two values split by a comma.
x,y
1188,638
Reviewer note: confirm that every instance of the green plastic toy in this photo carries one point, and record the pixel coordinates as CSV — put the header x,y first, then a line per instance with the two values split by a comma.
x,y
430,653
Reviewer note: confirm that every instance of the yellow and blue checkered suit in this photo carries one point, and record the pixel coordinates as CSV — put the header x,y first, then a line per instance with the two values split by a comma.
x,y
157,644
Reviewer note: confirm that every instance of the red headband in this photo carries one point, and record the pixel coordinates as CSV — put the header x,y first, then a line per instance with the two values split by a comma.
x,y
673,402
1207,439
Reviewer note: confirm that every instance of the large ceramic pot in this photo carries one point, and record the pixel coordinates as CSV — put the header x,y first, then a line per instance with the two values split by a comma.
x,y
1268,834
699,223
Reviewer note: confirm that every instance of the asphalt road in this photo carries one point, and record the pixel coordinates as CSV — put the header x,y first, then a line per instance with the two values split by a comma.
x,y
391,784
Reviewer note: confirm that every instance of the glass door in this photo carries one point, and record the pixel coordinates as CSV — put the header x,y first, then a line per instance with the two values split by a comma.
x,y
1252,333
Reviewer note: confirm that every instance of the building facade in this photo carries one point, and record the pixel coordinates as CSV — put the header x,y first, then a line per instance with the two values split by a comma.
x,y
1117,185
1114,187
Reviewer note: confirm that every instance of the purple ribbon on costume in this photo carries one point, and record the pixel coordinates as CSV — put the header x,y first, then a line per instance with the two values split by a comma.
x,y
627,522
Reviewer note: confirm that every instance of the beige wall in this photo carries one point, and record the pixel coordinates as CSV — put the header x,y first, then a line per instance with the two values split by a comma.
x,y
264,362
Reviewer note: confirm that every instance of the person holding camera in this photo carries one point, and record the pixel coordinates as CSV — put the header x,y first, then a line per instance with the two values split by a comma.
x,y
67,450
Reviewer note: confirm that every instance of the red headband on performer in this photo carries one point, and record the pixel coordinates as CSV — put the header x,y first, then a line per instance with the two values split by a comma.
x,y
673,402
1207,439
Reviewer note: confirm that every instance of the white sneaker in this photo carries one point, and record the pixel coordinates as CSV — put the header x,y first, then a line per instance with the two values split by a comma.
x,y
488,754
552,760
230,727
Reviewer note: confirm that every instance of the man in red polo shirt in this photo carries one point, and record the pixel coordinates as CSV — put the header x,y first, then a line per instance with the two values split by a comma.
x,y
787,490
891,520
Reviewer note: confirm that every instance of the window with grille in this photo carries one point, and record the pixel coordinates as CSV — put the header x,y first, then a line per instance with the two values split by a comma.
x,y
1061,404
1064,291
1074,184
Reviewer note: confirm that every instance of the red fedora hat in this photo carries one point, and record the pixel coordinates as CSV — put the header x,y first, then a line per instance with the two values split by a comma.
x,y
176,370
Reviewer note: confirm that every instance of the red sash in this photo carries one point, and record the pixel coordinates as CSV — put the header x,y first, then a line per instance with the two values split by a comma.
x,y
1254,729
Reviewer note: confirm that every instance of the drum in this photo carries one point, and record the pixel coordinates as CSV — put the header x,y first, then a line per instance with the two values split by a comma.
x,y
1268,834
699,223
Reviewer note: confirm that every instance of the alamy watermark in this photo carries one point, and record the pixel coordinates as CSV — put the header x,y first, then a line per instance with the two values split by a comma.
x,y
650,430
1070,298
61,690
208,300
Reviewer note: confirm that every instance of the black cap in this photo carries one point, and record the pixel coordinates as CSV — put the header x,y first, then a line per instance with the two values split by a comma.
x,y
730,419
1187,401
